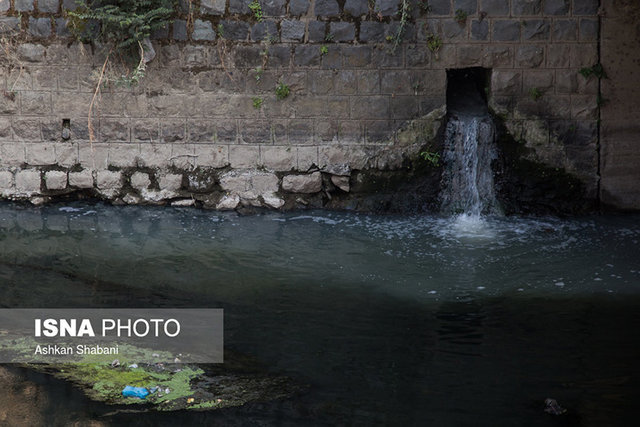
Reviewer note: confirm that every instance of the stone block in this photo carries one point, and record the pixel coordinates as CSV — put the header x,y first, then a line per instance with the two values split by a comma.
x,y
203,30
30,52
28,181
145,130
40,154
589,29
369,82
66,154
265,30
306,184
274,7
529,56
124,154
356,8
93,156
326,8
470,56
300,131
585,7
5,129
6,181
40,27
506,30
180,29
535,29
356,56
55,180
239,6
584,107
36,103
370,107
170,182
62,30
342,31
440,7
584,55
23,5
5,5
298,7
540,79
564,30
116,130
255,132
12,154
320,83
201,131
526,7
417,56
48,6
386,7
495,7
307,55
244,156
27,129
173,130
506,82
566,81
559,55
372,31
452,31
212,7
235,30
317,31
109,180
215,156
292,30
468,6
140,181
479,30
8,25
278,158
306,157
556,7
499,56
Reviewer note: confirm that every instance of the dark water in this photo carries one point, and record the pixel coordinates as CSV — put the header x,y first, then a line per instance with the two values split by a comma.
x,y
390,320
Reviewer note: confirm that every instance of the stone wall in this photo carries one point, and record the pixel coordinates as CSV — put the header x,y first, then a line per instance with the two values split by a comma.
x,y
205,123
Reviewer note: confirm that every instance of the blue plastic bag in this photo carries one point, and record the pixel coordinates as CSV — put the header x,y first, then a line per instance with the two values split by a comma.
x,y
139,392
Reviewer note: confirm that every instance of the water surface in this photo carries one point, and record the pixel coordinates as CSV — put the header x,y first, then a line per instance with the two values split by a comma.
x,y
391,320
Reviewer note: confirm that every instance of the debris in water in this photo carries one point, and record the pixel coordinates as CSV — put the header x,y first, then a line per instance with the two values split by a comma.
x,y
552,407
138,392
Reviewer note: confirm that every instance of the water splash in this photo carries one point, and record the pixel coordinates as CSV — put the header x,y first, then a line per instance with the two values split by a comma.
x,y
467,180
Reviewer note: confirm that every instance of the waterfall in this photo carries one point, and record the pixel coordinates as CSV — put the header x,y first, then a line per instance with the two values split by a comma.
x,y
467,179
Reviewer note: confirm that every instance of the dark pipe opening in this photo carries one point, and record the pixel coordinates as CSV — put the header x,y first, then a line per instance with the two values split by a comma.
x,y
467,90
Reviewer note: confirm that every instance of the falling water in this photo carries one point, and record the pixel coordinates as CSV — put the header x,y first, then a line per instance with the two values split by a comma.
x,y
467,180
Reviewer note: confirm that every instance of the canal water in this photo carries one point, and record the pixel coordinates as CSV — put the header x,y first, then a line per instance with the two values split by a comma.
x,y
389,320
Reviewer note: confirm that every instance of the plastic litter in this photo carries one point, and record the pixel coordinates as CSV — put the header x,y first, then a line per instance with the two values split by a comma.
x,y
133,366
131,391
553,407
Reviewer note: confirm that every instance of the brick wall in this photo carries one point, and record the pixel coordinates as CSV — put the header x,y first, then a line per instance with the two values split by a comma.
x,y
354,101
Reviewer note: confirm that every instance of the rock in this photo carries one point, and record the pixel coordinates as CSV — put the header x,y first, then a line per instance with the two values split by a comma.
x,y
183,203
303,183
342,182
273,201
228,202
552,407
140,180
55,180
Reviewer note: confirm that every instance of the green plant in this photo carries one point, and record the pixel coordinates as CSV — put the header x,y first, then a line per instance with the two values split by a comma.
x,y
431,157
424,6
256,8
328,37
282,90
258,71
257,103
595,70
405,8
324,50
123,24
220,31
535,93
461,16
389,38
434,43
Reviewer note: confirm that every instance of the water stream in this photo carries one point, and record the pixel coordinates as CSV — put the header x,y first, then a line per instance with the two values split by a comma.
x,y
391,320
